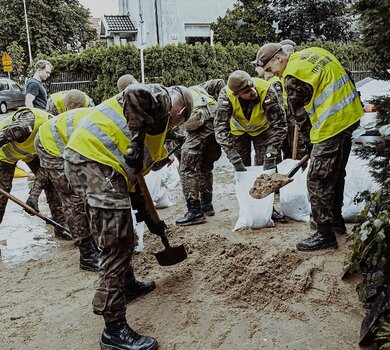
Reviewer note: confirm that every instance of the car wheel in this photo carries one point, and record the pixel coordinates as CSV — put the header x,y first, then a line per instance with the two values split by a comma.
x,y
3,107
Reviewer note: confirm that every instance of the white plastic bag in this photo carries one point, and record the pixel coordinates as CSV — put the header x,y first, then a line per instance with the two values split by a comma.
x,y
357,180
254,213
294,199
139,229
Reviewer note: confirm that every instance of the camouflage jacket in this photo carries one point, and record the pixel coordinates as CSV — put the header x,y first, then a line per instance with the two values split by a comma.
x,y
275,115
299,94
20,128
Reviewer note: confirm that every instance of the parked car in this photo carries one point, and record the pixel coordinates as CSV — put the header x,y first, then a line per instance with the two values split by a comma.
x,y
11,95
368,132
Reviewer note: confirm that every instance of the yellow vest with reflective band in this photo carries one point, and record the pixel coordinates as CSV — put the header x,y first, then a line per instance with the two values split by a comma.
x,y
14,151
335,104
200,97
103,136
58,100
55,133
258,122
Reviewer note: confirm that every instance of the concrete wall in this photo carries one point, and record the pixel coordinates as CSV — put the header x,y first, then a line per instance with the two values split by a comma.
x,y
173,15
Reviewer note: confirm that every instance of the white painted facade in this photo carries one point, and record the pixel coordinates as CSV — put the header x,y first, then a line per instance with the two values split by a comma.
x,y
174,21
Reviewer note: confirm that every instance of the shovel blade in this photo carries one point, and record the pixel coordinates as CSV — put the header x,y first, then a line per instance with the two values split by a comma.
x,y
171,256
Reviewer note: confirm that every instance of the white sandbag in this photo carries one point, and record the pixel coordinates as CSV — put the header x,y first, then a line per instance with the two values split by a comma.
x,y
357,180
294,199
139,229
254,213
160,182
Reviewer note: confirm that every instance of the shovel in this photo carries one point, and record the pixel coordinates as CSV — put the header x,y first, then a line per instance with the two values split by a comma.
x,y
170,255
266,184
32,211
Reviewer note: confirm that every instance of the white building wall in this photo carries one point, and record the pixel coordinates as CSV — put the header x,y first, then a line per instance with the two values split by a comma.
x,y
168,18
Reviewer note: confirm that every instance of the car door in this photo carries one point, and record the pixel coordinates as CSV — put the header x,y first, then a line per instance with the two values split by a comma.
x,y
18,95
4,92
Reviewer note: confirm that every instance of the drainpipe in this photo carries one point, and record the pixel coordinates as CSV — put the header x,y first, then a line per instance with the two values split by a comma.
x,y
157,22
142,41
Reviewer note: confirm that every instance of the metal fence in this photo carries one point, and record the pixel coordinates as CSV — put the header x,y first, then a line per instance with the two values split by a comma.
x,y
67,80
359,71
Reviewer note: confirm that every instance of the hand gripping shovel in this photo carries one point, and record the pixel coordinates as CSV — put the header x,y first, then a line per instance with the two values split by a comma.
x,y
266,184
32,211
170,255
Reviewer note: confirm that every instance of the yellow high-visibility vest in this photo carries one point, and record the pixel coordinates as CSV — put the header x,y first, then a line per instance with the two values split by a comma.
x,y
335,104
258,121
58,100
103,136
14,151
200,97
55,133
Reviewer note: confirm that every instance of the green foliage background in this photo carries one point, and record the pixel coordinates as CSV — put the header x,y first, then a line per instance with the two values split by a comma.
x,y
173,64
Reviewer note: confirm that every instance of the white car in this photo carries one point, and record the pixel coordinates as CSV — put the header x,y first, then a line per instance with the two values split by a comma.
x,y
368,132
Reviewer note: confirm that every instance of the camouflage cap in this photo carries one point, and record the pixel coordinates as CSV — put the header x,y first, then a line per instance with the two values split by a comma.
x,y
288,42
124,81
187,99
239,80
74,99
266,53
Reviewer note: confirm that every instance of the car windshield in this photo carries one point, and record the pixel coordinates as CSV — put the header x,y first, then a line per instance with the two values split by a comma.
x,y
16,87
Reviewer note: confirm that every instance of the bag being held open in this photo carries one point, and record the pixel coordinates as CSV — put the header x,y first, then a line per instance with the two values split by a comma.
x,y
254,213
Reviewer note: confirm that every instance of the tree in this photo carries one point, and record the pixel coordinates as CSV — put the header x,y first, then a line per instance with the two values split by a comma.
x,y
259,21
307,20
374,22
55,25
250,21
19,65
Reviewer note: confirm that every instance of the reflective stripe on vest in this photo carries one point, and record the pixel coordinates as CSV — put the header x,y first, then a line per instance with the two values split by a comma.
x,y
15,151
335,104
200,97
258,122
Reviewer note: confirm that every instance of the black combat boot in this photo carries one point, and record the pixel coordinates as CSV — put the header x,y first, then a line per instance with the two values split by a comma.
x,y
278,217
193,216
207,206
118,335
338,226
136,288
89,255
323,238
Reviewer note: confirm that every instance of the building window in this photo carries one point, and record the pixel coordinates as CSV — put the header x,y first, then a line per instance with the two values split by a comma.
x,y
197,32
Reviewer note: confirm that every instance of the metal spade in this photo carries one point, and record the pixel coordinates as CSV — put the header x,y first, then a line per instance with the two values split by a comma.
x,y
170,255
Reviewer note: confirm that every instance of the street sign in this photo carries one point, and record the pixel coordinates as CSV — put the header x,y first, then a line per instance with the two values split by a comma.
x,y
7,62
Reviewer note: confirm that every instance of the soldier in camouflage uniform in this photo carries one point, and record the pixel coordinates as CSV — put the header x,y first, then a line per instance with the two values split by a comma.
x,y
199,152
103,155
50,141
249,112
63,101
17,143
327,108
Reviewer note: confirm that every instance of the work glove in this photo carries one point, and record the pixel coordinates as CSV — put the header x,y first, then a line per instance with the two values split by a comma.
x,y
239,166
32,201
269,161
308,148
158,229
136,157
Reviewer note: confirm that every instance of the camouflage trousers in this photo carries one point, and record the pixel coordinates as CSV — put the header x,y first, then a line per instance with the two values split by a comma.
x,y
243,145
106,199
6,175
72,204
326,179
198,154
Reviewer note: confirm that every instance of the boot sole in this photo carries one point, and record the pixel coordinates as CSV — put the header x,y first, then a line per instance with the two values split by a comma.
x,y
112,347
325,246
193,222
88,268
209,213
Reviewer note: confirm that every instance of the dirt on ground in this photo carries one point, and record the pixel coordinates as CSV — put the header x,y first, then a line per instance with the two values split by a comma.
x,y
247,289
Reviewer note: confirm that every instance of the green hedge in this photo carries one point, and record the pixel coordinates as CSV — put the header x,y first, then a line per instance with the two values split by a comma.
x,y
172,64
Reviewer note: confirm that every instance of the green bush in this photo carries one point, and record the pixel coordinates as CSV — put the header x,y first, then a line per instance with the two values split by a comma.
x,y
171,64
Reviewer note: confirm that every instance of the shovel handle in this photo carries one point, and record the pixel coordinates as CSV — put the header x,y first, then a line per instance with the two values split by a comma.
x,y
294,170
32,211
